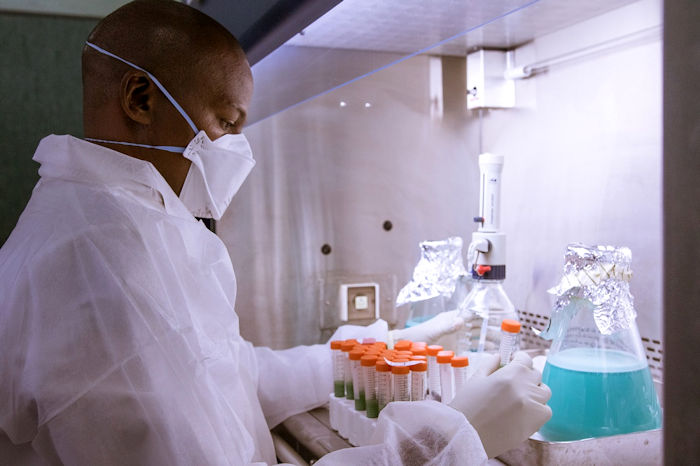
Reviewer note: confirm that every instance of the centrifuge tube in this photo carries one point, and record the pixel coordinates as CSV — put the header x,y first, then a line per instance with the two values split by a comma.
x,y
444,358
401,383
383,375
510,336
403,345
460,365
357,379
380,345
419,379
433,372
338,368
346,347
368,362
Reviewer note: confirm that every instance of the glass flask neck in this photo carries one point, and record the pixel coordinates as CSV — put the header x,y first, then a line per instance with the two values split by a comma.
x,y
488,282
582,332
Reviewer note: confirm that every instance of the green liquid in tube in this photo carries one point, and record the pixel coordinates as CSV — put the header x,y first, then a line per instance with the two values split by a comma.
x,y
360,401
349,394
339,388
372,408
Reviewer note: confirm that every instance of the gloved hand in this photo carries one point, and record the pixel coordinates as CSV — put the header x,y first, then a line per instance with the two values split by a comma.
x,y
431,330
506,406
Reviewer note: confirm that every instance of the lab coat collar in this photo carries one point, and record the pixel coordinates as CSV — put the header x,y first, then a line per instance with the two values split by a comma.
x,y
70,158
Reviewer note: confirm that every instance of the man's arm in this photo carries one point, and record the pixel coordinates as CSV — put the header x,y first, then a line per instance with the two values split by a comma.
x,y
119,421
293,381
298,379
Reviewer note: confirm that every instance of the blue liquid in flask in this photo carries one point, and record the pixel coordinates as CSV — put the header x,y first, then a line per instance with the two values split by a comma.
x,y
418,320
596,393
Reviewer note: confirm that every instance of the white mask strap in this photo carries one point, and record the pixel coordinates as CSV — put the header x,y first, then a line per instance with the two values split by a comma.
x,y
176,149
157,83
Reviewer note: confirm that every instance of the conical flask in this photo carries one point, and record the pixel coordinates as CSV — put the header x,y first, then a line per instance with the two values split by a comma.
x,y
596,367
485,307
439,281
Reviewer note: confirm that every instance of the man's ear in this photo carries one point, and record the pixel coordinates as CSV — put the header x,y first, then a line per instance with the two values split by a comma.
x,y
137,96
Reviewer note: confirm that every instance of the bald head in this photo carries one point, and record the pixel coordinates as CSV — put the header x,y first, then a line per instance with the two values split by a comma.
x,y
167,38
195,58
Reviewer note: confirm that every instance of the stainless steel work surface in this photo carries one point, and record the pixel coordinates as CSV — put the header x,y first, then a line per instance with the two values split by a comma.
x,y
313,433
639,448
312,430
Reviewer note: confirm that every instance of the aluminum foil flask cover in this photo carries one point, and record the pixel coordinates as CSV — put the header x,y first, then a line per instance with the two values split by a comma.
x,y
439,280
596,367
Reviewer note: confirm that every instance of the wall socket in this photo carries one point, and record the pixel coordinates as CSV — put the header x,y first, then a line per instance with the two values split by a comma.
x,y
359,301
333,284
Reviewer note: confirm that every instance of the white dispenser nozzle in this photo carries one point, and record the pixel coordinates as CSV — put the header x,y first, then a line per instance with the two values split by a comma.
x,y
490,167
487,300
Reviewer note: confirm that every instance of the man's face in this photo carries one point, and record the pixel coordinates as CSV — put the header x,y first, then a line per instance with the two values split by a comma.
x,y
216,98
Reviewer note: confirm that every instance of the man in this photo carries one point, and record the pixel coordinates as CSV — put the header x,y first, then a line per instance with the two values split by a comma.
x,y
119,339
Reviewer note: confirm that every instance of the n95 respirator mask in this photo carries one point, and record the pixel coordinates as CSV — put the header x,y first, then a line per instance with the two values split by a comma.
x,y
218,168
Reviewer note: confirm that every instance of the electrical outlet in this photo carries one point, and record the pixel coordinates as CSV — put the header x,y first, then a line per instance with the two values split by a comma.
x,y
359,301
330,302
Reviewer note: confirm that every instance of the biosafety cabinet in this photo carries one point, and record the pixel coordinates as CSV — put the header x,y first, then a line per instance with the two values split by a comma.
x,y
367,122
367,125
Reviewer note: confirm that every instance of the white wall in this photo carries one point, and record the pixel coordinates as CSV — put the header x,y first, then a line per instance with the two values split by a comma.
x,y
583,159
332,174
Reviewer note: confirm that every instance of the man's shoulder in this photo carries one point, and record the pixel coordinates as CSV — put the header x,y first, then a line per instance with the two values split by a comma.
x,y
73,215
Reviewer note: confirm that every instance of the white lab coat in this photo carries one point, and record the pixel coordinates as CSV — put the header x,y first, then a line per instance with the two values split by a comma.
x,y
119,343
